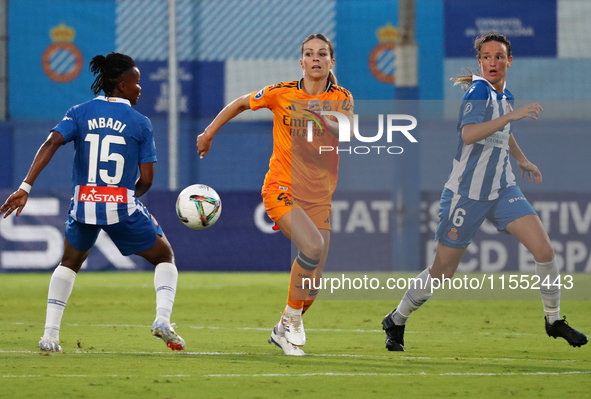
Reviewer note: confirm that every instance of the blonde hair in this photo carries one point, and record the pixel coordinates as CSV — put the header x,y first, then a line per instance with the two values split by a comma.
x,y
332,78
464,81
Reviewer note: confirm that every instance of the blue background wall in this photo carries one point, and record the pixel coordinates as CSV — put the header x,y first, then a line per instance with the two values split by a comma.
x,y
551,66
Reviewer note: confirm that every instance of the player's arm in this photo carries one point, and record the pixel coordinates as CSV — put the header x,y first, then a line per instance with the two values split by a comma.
x,y
18,199
332,125
143,184
474,132
229,112
524,164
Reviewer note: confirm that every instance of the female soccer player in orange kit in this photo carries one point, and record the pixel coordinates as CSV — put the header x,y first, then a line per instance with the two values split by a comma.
x,y
298,188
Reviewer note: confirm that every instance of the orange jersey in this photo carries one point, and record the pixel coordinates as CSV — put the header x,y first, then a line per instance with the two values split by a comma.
x,y
296,165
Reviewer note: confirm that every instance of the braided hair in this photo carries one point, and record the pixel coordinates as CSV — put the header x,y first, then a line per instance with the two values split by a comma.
x,y
108,70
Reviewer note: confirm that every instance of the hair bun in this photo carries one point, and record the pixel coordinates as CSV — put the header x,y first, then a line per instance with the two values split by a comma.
x,y
98,64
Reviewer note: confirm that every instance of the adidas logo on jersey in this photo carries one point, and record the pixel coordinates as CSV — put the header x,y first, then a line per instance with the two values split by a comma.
x,y
292,107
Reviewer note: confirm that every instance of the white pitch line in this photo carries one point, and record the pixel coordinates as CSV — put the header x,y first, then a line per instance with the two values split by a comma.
x,y
392,374
576,372
307,329
187,353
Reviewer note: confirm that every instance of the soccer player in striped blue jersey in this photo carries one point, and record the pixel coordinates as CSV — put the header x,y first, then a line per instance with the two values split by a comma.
x,y
482,186
113,166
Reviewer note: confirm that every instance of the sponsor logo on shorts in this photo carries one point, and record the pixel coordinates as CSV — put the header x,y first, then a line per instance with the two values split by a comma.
x,y
327,221
285,198
512,200
453,234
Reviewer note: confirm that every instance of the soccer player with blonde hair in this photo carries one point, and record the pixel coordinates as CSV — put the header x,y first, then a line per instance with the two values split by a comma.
x,y
298,188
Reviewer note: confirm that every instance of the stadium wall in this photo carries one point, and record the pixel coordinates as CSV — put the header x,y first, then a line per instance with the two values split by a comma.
x,y
231,47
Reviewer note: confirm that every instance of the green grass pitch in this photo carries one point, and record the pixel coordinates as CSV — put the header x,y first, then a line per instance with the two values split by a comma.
x,y
455,348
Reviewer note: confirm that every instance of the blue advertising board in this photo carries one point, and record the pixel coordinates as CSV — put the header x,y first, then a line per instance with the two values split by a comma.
x,y
530,25
363,236
241,240
566,217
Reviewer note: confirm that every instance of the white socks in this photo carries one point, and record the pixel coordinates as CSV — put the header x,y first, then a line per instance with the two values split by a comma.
x,y
60,288
165,280
548,273
288,310
418,293
62,283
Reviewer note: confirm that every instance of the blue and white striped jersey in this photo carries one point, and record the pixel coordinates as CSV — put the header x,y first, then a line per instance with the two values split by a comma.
x,y
111,140
481,169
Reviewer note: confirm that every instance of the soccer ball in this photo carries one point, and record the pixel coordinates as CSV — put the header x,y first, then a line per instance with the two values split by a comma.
x,y
198,206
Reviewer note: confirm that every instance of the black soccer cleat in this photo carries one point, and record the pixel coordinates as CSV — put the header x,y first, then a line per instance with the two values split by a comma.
x,y
394,334
560,328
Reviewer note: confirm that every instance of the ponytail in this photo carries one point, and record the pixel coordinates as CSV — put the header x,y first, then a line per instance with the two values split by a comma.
x,y
332,78
465,80
108,70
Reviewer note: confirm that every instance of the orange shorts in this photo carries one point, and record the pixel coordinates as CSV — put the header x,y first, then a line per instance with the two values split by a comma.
x,y
278,203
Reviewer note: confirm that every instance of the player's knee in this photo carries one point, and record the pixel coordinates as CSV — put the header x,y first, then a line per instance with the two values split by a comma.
x,y
159,253
313,248
544,254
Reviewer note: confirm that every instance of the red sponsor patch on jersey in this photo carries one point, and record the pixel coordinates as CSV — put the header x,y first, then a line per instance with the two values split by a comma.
x,y
103,194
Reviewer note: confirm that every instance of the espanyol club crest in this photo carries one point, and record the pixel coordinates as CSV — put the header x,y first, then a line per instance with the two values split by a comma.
x,y
382,56
62,60
453,234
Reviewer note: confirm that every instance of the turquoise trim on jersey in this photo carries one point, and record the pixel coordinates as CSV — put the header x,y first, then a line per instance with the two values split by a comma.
x,y
482,169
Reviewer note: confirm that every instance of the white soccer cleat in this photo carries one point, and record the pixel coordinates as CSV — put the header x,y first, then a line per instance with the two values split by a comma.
x,y
47,344
294,329
165,332
279,340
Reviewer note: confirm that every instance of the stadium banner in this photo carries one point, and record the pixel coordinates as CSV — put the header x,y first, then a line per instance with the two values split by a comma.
x,y
200,93
566,216
367,38
49,47
243,238
529,24
363,236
